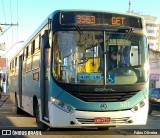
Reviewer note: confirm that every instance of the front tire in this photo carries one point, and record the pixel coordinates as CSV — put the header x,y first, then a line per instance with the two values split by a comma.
x,y
18,110
40,124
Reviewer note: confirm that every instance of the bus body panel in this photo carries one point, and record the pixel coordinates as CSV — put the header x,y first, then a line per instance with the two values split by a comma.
x,y
95,106
86,118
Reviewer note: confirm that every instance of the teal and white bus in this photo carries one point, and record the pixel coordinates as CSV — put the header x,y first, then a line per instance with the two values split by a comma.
x,y
83,69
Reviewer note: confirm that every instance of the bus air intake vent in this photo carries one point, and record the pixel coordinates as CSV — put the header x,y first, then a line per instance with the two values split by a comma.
x,y
103,96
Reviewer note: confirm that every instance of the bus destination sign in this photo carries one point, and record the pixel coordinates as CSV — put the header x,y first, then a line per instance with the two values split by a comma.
x,y
83,18
89,19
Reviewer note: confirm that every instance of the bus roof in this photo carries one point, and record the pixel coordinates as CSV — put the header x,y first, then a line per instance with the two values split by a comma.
x,y
50,16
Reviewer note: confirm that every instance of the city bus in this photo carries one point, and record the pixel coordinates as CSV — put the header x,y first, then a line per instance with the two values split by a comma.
x,y
83,69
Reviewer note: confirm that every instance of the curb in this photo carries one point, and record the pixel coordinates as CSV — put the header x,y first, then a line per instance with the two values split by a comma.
x,y
2,102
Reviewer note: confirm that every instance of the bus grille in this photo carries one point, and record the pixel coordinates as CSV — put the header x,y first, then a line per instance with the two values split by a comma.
x,y
103,96
113,120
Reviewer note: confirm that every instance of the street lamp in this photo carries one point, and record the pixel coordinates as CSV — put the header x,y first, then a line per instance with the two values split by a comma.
x,y
13,46
5,84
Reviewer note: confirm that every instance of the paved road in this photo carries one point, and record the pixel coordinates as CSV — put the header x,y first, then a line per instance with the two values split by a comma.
x,y
9,120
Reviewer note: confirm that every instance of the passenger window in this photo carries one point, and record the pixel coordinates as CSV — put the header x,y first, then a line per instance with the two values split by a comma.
x,y
29,59
16,66
24,54
33,47
37,45
24,60
29,50
36,52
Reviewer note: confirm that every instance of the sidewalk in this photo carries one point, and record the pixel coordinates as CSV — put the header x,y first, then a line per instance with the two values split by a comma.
x,y
3,98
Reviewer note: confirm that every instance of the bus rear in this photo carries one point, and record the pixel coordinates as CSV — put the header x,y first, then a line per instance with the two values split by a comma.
x,y
99,70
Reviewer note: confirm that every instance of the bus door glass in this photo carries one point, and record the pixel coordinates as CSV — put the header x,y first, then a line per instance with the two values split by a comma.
x,y
20,78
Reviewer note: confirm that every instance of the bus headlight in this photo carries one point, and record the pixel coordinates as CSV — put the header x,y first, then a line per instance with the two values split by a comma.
x,y
61,105
138,106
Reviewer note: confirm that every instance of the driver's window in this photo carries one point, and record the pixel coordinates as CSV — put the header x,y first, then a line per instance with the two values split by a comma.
x,y
134,56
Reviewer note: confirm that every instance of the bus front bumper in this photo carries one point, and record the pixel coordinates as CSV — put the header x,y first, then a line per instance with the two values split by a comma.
x,y
60,118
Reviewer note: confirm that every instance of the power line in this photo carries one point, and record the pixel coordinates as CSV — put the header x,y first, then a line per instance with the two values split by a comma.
x,y
17,19
17,12
3,11
11,10
9,24
11,18
13,46
5,30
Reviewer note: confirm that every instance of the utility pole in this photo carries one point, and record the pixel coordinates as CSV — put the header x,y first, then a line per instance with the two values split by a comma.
x,y
129,9
3,67
6,24
12,24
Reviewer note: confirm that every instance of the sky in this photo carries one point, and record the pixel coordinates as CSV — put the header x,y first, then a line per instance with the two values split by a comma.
x,y
29,14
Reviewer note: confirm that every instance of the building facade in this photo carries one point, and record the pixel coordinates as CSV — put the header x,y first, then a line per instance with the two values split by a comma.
x,y
153,34
152,28
3,74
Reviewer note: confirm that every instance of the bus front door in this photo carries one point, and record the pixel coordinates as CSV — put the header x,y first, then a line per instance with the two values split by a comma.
x,y
45,50
20,80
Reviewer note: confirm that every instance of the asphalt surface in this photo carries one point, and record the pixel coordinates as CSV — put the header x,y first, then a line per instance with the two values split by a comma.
x,y
18,120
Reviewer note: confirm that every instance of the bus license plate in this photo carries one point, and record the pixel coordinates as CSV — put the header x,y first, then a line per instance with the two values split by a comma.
x,y
102,119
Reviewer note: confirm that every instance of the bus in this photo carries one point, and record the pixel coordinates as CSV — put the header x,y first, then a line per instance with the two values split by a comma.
x,y
83,69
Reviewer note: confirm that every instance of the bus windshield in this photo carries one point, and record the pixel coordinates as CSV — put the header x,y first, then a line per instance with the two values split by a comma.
x,y
99,57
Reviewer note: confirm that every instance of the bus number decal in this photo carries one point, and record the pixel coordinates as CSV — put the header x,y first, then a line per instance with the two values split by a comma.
x,y
85,19
124,104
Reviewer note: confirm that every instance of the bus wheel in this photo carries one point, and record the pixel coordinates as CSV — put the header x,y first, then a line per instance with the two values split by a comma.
x,y
40,124
18,110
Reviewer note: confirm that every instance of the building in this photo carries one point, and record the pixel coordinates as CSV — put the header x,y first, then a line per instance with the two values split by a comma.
x,y
154,57
3,74
153,34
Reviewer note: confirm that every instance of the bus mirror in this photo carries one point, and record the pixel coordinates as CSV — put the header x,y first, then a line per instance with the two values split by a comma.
x,y
49,24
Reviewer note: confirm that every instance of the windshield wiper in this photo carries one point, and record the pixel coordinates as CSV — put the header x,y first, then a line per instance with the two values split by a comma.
x,y
80,31
130,30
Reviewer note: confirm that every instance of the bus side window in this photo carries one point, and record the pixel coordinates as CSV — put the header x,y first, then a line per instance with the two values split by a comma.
x,y
36,53
24,60
29,59
37,44
33,47
26,52
12,68
16,66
